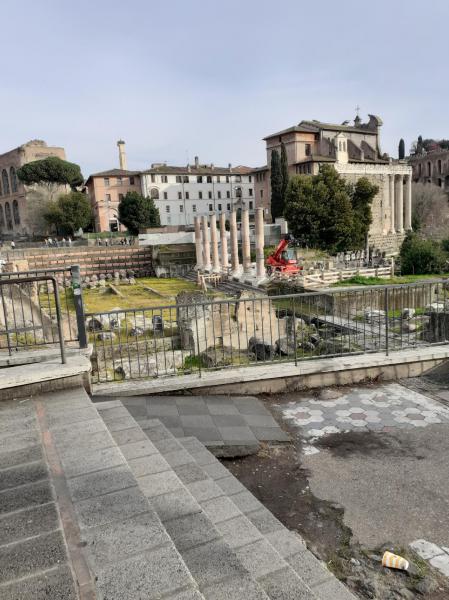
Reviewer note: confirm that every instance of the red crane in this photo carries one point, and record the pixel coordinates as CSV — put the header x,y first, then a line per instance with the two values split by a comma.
x,y
283,259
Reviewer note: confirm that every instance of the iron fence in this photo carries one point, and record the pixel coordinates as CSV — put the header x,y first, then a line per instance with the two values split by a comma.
x,y
23,324
32,307
200,334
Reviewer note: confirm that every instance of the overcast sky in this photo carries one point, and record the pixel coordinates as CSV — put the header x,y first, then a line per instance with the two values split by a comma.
x,y
213,77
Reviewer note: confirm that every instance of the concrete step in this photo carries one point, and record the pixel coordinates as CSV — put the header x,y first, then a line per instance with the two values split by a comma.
x,y
217,570
117,543
272,554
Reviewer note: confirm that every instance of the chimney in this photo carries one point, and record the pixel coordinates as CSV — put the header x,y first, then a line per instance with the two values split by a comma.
x,y
197,162
122,155
230,166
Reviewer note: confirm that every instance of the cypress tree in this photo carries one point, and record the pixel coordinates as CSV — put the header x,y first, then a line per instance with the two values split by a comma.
x,y
284,173
401,149
277,207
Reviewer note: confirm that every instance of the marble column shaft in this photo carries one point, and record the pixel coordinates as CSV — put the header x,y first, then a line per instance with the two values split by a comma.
x,y
392,206
224,242
246,247
214,243
206,244
234,244
260,258
399,201
408,203
198,244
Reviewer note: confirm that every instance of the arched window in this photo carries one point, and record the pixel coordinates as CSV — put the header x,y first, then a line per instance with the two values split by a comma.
x,y
439,166
8,216
13,178
429,169
15,212
154,193
5,182
2,217
420,169
209,179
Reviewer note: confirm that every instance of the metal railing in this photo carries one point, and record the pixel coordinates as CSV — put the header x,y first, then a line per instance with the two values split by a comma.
x,y
24,324
34,307
254,329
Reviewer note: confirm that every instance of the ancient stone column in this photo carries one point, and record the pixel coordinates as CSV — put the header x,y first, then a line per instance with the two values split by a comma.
x,y
206,244
198,244
408,203
399,197
246,248
224,243
234,244
214,242
392,206
260,259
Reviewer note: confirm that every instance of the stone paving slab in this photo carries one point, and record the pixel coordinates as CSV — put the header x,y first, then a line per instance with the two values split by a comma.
x,y
216,421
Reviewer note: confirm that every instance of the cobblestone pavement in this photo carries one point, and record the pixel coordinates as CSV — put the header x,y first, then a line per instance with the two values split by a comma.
x,y
437,556
384,408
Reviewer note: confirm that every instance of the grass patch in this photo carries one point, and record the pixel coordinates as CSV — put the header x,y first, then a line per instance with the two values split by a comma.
x,y
360,280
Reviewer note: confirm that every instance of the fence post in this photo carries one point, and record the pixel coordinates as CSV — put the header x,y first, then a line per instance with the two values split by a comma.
x,y
79,306
386,321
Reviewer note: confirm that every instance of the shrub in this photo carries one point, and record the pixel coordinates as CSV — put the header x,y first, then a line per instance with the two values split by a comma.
x,y
422,257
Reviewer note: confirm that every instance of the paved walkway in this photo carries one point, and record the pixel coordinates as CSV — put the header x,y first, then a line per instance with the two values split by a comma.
x,y
216,421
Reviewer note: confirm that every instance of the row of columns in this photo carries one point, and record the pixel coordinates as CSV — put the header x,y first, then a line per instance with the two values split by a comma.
x,y
208,257
400,219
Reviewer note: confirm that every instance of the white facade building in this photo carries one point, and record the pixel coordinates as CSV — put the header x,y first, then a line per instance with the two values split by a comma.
x,y
181,193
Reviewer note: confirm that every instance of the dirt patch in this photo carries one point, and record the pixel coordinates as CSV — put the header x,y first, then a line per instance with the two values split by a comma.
x,y
275,476
365,443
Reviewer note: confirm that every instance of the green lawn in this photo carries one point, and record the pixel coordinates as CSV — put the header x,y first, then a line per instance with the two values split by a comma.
x,y
360,280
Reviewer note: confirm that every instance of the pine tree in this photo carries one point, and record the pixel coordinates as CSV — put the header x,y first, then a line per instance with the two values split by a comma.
x,y
401,149
277,204
284,173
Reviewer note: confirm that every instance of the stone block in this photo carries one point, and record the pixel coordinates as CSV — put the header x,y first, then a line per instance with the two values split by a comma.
x,y
91,442
175,504
127,436
147,575
205,490
283,585
118,540
270,434
231,485
168,444
17,442
285,542
110,507
113,413
197,421
29,556
260,558
86,461
190,531
58,583
309,568
238,532
21,474
426,549
215,470
334,589
220,509
121,423
241,435
64,418
237,588
189,473
236,420
18,457
28,523
137,449
204,434
264,521
100,482
159,483
213,562
26,496
178,457
246,502
147,465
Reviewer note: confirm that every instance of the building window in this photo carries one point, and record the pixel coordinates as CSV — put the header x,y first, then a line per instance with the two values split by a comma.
x,y
211,207
219,194
168,220
251,205
15,212
219,207
8,216
187,195
250,191
228,206
113,225
238,179
164,179
13,177
106,181
218,178
250,178
2,217
119,181
108,198
165,196
420,169
178,179
429,169
179,195
238,192
439,166
193,207
199,179
185,179
181,208
228,194
153,178
209,194
209,179
227,178
200,195
261,193
167,208
308,149
120,197
131,181
154,193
